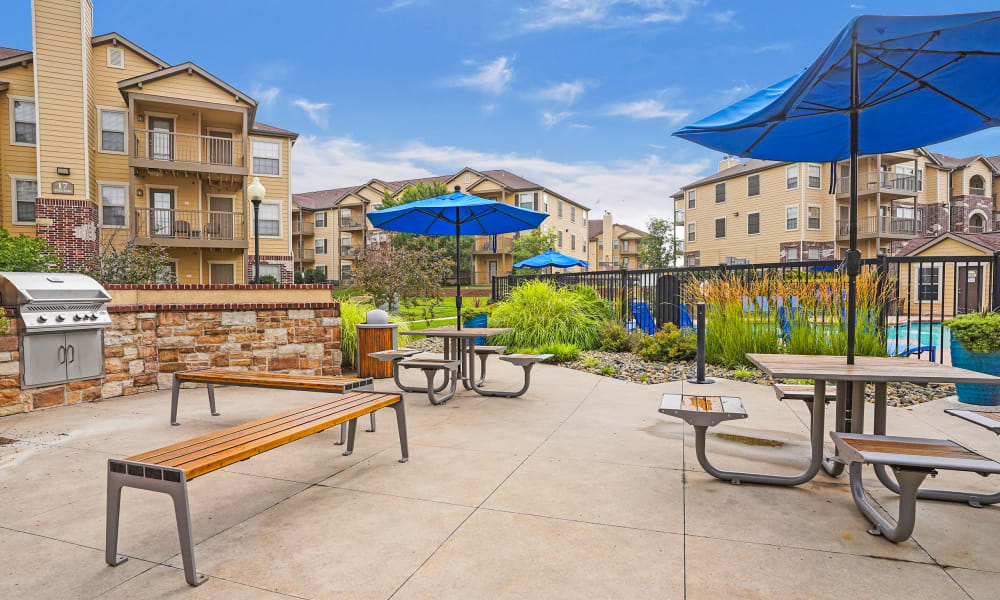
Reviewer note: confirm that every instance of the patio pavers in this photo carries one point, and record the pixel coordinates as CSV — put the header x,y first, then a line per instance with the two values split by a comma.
x,y
577,489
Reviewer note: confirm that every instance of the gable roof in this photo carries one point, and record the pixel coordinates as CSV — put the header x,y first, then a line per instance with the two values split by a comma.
x,y
322,199
595,227
744,168
189,67
116,38
13,56
265,129
6,53
994,161
986,242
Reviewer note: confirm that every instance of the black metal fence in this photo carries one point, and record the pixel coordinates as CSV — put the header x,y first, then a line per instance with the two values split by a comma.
x,y
915,295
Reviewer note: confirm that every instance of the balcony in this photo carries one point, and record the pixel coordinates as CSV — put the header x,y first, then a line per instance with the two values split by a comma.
x,y
189,228
678,217
350,224
303,254
168,150
486,246
885,182
302,228
884,227
349,251
977,191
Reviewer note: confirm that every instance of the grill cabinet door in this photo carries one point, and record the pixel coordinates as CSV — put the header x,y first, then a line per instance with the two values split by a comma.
x,y
85,354
44,358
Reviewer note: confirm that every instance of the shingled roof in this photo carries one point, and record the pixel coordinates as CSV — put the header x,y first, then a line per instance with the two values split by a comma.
x,y
265,129
322,199
987,241
595,227
6,53
744,168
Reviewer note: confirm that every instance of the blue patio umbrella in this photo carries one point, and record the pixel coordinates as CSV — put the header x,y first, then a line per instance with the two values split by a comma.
x,y
883,84
456,214
551,258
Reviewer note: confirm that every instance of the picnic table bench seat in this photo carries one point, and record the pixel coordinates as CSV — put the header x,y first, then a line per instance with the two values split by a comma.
x,y
986,419
256,379
484,352
167,470
429,367
912,460
804,392
395,356
523,360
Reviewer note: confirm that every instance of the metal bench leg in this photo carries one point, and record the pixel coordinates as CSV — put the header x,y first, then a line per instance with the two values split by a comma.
x,y
111,555
833,467
815,435
503,394
910,480
401,426
352,430
182,512
211,400
432,392
343,435
406,388
482,374
175,392
372,416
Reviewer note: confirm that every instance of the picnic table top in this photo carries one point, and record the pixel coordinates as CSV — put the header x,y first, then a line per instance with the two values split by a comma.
x,y
466,332
866,368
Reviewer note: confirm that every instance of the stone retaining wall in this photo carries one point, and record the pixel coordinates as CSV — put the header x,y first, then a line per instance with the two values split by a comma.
x,y
146,344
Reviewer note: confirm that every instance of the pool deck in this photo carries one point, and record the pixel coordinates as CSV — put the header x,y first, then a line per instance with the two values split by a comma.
x,y
580,488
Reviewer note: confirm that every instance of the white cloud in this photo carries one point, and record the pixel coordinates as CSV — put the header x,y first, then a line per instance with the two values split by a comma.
x,y
604,14
633,190
737,92
316,111
265,96
489,109
776,47
724,18
580,126
647,109
490,78
396,5
566,92
550,120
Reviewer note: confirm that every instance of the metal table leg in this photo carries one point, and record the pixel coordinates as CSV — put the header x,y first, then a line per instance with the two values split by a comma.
x,y
832,466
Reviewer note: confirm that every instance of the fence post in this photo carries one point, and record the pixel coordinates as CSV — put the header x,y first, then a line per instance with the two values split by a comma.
x,y
622,281
700,368
668,301
883,292
995,293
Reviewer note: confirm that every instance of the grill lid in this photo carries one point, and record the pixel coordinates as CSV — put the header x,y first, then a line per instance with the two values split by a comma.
x,y
27,288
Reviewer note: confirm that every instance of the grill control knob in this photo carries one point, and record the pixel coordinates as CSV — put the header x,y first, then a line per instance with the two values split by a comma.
x,y
60,318
77,317
42,318
93,315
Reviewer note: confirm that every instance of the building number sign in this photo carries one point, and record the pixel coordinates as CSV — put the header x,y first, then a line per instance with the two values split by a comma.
x,y
62,187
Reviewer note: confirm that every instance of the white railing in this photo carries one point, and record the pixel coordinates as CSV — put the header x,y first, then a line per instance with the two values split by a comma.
x,y
169,146
884,181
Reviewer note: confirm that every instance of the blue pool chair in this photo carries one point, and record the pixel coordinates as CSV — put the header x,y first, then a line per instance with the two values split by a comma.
x,y
902,349
686,322
644,320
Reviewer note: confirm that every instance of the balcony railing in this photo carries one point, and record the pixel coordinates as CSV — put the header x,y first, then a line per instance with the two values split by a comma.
x,y
879,181
996,220
679,217
302,228
349,251
885,226
169,146
303,254
977,191
165,224
350,223
487,246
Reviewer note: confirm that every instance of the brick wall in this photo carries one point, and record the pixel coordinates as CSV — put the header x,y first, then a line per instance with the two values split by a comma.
x,y
285,262
827,250
70,227
692,258
146,344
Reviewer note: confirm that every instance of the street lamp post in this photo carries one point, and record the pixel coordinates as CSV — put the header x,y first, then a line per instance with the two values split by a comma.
x,y
256,193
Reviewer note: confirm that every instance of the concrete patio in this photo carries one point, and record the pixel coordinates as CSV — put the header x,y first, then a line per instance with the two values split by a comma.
x,y
577,489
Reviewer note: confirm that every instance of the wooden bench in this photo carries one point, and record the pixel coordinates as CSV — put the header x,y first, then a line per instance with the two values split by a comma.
x,y
912,460
275,381
168,469
525,361
484,352
430,366
989,420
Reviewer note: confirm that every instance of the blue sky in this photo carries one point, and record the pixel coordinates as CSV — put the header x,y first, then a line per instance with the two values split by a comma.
x,y
579,95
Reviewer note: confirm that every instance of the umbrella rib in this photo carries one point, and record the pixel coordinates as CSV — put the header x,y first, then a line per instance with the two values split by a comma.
x,y
817,104
923,51
761,138
913,35
933,88
913,55
881,98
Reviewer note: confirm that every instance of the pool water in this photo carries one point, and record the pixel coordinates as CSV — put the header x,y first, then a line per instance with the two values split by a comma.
x,y
920,333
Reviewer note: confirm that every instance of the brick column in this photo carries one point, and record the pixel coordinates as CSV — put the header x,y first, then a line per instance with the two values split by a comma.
x,y
70,227
285,262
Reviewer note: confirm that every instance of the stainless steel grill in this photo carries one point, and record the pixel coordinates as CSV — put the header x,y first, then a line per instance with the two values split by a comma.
x,y
61,321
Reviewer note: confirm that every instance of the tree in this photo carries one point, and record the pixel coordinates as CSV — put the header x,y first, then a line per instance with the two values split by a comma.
x,y
26,254
388,272
130,264
531,244
661,246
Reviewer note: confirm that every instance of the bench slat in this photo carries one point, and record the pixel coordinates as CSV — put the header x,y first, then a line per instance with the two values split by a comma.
x,y
989,420
283,380
239,443
797,391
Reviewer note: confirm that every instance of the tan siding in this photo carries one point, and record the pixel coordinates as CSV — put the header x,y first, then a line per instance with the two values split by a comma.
x,y
17,160
189,87
277,192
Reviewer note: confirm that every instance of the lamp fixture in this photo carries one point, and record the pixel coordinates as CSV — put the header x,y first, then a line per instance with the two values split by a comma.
x,y
62,170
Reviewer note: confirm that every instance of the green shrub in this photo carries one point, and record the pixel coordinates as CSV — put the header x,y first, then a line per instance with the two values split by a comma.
x,y
668,344
470,312
744,374
613,337
540,313
561,353
351,313
608,370
269,280
978,332
590,362
634,339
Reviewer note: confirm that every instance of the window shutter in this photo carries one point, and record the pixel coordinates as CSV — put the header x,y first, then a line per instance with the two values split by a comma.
x,y
536,200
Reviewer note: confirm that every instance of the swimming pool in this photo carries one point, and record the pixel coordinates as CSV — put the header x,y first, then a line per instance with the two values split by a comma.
x,y
920,333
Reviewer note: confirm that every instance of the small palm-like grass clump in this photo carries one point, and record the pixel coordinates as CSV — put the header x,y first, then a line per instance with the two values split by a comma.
x,y
540,314
351,314
608,370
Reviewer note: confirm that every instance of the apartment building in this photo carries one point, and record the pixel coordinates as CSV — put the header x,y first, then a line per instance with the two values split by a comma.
x,y
104,143
761,211
346,231
613,245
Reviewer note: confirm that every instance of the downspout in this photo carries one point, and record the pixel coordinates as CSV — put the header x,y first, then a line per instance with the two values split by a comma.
x,y
803,217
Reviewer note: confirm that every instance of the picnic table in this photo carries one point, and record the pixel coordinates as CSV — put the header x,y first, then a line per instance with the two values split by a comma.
x,y
879,371
460,345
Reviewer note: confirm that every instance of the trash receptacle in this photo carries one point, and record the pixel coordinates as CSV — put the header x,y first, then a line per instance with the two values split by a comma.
x,y
374,335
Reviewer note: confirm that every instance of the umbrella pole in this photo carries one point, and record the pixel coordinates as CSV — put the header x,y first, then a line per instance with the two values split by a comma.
x,y
458,272
853,254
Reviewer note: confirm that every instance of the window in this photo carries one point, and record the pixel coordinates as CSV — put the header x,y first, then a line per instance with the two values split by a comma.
x,y
559,207
168,274
753,185
321,269
572,214
791,218
526,201
321,246
791,177
624,262
753,223
112,123
560,239
616,244
813,220
792,254
813,254
572,241
720,227
272,270
815,176
720,193
920,180
116,57
320,219
624,245
977,187
468,178
266,157
22,116
928,283
270,220
691,232
600,244
691,198
904,212
113,204
545,203
25,191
